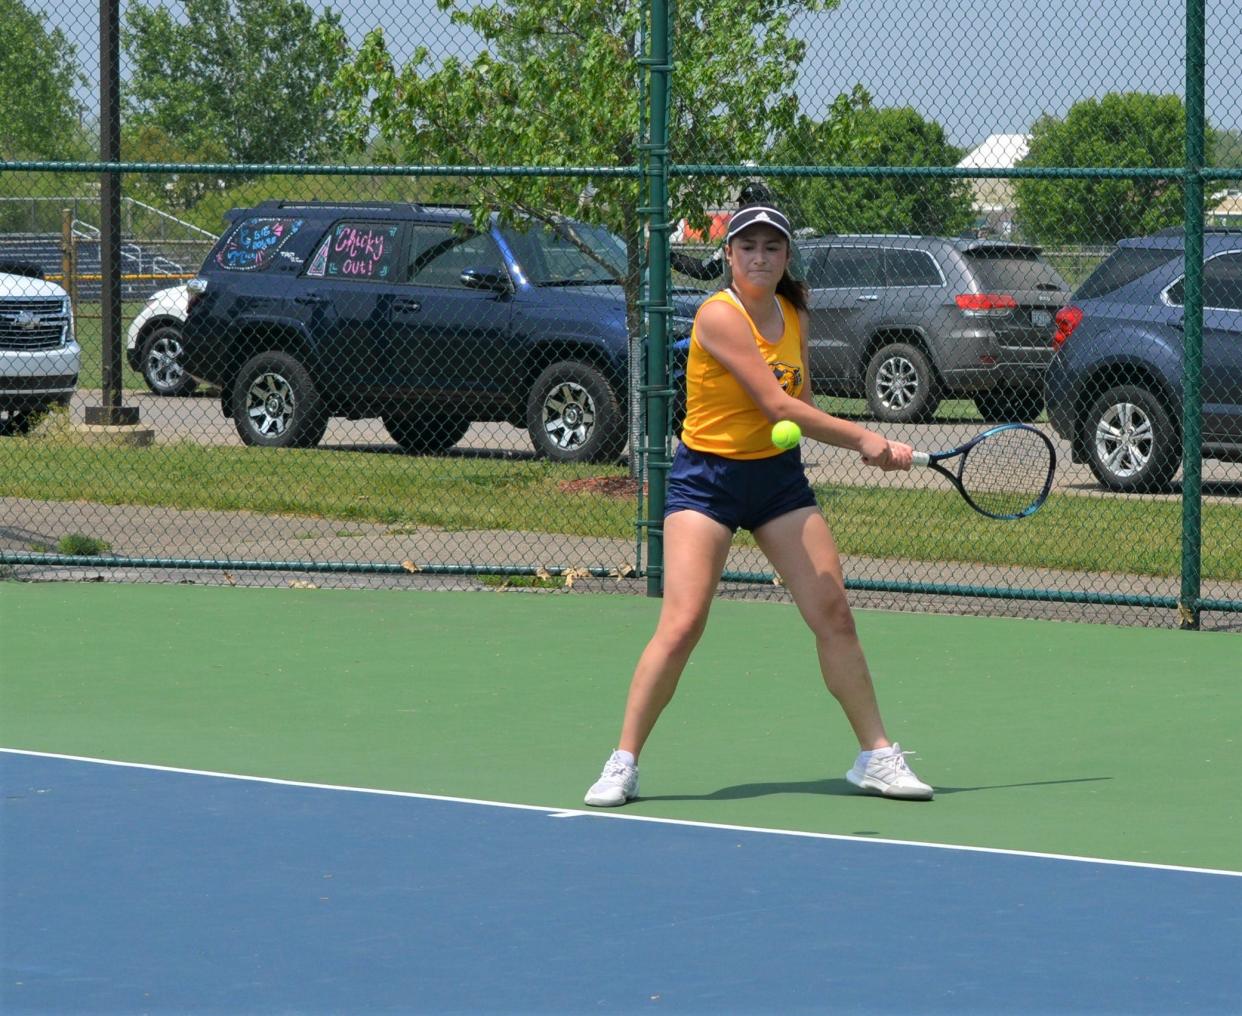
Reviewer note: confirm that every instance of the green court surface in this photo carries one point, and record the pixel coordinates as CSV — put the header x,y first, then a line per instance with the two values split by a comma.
x,y
1039,736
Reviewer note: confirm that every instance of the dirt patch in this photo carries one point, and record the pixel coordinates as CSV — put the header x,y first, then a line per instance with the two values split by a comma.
x,y
623,487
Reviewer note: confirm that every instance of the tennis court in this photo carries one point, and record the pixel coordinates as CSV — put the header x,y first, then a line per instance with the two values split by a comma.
x,y
263,800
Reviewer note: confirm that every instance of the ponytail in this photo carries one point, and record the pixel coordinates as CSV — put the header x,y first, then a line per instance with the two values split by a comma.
x,y
793,291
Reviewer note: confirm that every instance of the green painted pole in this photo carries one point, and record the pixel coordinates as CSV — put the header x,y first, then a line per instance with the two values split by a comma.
x,y
657,60
1192,357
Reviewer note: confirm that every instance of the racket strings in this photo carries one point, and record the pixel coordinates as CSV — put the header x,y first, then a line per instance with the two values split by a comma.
x,y
1007,472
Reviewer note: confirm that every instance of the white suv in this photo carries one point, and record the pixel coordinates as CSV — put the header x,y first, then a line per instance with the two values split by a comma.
x,y
153,344
39,355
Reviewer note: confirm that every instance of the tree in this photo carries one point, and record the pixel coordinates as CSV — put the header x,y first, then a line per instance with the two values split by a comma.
x,y
238,76
1227,151
1130,130
557,83
40,115
855,133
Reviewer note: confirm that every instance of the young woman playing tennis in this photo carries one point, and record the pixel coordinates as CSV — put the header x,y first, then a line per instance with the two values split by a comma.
x,y
747,369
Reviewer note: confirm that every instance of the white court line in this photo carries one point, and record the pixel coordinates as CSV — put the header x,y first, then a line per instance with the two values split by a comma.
x,y
616,815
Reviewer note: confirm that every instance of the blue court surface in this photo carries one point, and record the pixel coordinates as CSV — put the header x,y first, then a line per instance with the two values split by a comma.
x,y
146,890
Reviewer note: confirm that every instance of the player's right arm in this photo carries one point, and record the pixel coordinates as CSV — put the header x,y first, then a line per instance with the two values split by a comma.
x,y
724,332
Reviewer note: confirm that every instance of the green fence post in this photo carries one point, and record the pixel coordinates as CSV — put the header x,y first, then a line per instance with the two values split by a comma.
x,y
656,439
1192,358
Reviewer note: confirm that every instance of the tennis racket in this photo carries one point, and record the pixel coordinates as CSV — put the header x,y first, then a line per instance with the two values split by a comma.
x,y
1004,473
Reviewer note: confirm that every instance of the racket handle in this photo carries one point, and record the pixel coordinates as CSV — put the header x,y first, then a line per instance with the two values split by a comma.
x,y
922,458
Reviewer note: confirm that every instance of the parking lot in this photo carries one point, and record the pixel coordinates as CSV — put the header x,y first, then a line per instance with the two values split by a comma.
x,y
198,419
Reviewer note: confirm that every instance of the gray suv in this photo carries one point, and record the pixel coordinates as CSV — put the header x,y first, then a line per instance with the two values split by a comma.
x,y
905,321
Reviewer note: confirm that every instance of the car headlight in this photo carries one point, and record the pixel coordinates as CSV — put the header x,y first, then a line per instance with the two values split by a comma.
x,y
66,308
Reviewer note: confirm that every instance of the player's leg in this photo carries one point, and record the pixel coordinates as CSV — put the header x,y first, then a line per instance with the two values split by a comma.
x,y
801,548
695,549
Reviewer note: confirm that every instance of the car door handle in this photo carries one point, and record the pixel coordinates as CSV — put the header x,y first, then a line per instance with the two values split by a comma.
x,y
868,298
311,299
407,305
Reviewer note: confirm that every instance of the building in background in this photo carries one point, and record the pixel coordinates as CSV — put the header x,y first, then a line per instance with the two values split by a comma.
x,y
1228,212
993,199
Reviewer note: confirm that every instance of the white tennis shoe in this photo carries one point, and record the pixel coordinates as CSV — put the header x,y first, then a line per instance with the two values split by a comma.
x,y
617,784
887,773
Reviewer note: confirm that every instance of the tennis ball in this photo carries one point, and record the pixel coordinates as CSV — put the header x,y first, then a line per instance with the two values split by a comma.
x,y
786,434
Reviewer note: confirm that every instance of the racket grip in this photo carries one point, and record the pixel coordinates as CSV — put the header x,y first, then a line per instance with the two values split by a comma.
x,y
922,458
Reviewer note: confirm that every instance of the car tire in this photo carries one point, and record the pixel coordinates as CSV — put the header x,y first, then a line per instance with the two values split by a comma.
x,y
276,404
160,360
573,414
901,385
1010,405
425,431
1131,441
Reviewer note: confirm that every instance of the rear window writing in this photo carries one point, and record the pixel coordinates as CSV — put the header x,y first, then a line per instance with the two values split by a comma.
x,y
357,250
255,242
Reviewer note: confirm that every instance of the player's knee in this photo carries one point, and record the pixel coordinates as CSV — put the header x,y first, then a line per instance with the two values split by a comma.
x,y
680,635
835,620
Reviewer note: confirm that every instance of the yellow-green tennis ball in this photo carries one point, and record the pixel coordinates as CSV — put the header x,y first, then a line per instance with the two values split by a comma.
x,y
786,434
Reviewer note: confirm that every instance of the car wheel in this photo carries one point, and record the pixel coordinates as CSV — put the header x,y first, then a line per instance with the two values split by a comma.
x,y
901,385
15,422
424,431
276,405
1010,405
1132,444
161,362
574,415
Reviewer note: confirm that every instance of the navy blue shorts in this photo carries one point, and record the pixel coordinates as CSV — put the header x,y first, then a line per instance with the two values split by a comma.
x,y
738,493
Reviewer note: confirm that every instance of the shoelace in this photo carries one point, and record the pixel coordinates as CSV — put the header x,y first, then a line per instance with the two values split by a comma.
x,y
615,768
895,763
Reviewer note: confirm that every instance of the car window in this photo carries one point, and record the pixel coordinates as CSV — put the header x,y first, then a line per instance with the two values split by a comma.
x,y
1013,269
439,255
548,258
1122,267
254,242
1222,284
357,251
845,268
911,268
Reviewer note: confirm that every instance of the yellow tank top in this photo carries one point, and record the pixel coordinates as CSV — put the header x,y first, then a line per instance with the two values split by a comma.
x,y
721,418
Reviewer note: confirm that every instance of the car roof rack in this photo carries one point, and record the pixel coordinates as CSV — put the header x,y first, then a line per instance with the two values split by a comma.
x,y
1172,231
356,206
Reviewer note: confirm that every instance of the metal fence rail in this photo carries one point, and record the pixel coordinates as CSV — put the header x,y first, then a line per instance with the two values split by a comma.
x,y
446,295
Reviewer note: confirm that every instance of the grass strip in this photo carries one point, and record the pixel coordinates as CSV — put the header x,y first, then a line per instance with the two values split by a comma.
x,y
1093,534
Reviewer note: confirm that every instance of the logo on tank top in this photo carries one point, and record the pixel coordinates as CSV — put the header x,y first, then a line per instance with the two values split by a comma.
x,y
788,376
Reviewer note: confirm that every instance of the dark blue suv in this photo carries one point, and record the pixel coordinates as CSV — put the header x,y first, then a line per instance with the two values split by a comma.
x,y
304,311
1114,386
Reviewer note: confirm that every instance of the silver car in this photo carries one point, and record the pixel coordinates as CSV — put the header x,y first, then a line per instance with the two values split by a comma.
x,y
906,321
39,356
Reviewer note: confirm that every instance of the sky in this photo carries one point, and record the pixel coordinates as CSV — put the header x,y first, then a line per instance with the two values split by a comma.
x,y
977,67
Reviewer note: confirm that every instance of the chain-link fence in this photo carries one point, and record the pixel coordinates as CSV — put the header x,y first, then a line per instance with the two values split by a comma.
x,y
403,297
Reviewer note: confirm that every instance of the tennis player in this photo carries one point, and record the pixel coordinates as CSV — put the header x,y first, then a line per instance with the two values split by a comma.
x,y
709,268
746,370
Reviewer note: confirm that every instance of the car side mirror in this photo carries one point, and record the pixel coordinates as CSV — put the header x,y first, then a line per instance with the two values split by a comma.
x,y
479,278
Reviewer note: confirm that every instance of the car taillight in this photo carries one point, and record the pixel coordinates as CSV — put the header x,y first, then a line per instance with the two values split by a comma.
x,y
1067,319
986,304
